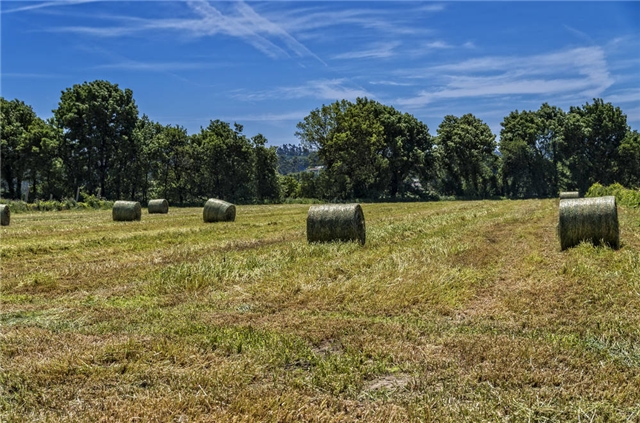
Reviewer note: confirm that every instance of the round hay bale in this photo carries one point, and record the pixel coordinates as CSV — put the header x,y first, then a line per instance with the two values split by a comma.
x,y
5,215
569,194
588,219
158,206
218,211
125,211
336,222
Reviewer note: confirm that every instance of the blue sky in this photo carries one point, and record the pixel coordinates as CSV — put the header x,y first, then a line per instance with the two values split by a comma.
x,y
266,65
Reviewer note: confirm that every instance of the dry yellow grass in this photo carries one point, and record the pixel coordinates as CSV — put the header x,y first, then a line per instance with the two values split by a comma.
x,y
452,311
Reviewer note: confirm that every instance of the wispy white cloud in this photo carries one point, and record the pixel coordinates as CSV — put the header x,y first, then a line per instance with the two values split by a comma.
x,y
438,44
633,115
435,7
44,5
581,70
627,96
241,21
429,47
29,75
580,34
303,21
263,117
377,51
392,83
272,117
322,89
154,66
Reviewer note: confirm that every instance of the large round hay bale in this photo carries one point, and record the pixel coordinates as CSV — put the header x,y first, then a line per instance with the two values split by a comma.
x,y
569,194
336,222
126,211
5,215
218,211
588,219
158,206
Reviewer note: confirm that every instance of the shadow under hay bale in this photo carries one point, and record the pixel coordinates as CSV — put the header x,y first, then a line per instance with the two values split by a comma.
x,y
336,222
158,206
569,194
126,211
5,215
588,219
218,211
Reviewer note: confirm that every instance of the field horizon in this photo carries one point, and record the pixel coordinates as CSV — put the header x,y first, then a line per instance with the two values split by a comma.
x,y
452,311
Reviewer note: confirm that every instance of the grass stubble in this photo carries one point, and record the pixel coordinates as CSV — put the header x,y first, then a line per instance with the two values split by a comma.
x,y
452,311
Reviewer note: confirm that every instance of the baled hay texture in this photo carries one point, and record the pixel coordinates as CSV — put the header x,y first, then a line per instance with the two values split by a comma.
x,y
569,194
5,215
336,222
126,211
158,206
218,211
588,219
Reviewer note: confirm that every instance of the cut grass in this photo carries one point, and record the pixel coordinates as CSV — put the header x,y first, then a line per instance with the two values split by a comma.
x,y
452,311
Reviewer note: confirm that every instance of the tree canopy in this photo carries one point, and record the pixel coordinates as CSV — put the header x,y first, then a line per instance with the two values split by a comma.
x,y
97,144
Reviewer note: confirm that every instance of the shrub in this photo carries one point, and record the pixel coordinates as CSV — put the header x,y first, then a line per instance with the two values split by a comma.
x,y
624,196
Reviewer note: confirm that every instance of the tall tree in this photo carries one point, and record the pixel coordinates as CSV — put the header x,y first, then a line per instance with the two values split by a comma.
x,y
467,161
16,118
98,119
147,135
591,138
174,170
44,166
529,143
227,163
266,174
628,169
369,149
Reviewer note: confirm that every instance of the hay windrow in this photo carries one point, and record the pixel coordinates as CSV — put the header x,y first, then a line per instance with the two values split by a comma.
x,y
336,222
569,194
158,206
5,215
125,211
218,211
588,219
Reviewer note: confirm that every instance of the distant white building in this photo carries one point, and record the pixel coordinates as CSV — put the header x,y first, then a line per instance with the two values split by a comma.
x,y
315,170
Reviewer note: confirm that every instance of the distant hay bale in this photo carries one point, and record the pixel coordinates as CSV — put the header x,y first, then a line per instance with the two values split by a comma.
x,y
126,211
158,206
569,194
5,215
218,211
336,222
588,219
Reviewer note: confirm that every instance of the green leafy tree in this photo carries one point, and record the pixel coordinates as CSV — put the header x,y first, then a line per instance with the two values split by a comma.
x,y
529,143
227,163
148,137
172,153
98,120
466,157
369,149
628,168
16,119
266,174
44,166
289,186
592,136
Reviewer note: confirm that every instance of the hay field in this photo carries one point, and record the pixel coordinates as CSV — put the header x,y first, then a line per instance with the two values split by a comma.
x,y
452,311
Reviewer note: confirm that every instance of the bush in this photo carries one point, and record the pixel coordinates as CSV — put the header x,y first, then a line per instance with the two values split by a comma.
x,y
53,205
624,196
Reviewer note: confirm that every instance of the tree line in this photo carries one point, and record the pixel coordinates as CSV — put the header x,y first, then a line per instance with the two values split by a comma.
x,y
96,143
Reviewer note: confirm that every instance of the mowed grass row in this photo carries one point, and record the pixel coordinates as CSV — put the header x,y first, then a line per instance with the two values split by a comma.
x,y
452,311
